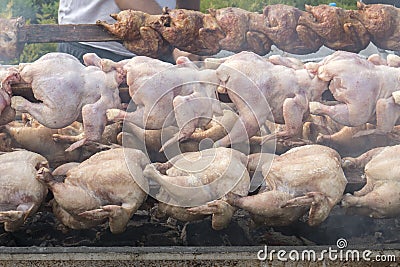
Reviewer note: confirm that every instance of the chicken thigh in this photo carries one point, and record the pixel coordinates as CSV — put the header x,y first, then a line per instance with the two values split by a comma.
x,y
21,194
307,177
109,185
380,197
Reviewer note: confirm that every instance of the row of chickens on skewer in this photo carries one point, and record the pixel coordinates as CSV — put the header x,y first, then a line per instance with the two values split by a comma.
x,y
290,29
180,103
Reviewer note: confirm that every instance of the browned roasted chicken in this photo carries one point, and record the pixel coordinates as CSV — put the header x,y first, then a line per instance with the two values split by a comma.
x,y
191,31
336,27
281,25
235,29
241,29
135,28
382,22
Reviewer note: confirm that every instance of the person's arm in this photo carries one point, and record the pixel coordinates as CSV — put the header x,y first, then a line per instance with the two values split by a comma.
x,y
188,4
147,6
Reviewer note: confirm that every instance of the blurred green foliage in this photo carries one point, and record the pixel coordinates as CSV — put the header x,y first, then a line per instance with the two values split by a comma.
x,y
45,12
257,5
34,12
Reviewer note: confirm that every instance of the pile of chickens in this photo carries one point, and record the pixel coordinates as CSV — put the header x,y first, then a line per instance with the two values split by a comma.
x,y
234,29
200,155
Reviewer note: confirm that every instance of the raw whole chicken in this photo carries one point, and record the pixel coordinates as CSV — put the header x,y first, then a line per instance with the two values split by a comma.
x,y
338,30
38,139
380,197
324,131
165,94
7,114
304,178
366,92
195,183
67,90
42,140
263,91
382,23
90,195
21,194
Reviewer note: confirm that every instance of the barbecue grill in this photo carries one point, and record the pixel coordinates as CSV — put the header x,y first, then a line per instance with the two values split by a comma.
x,y
148,241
